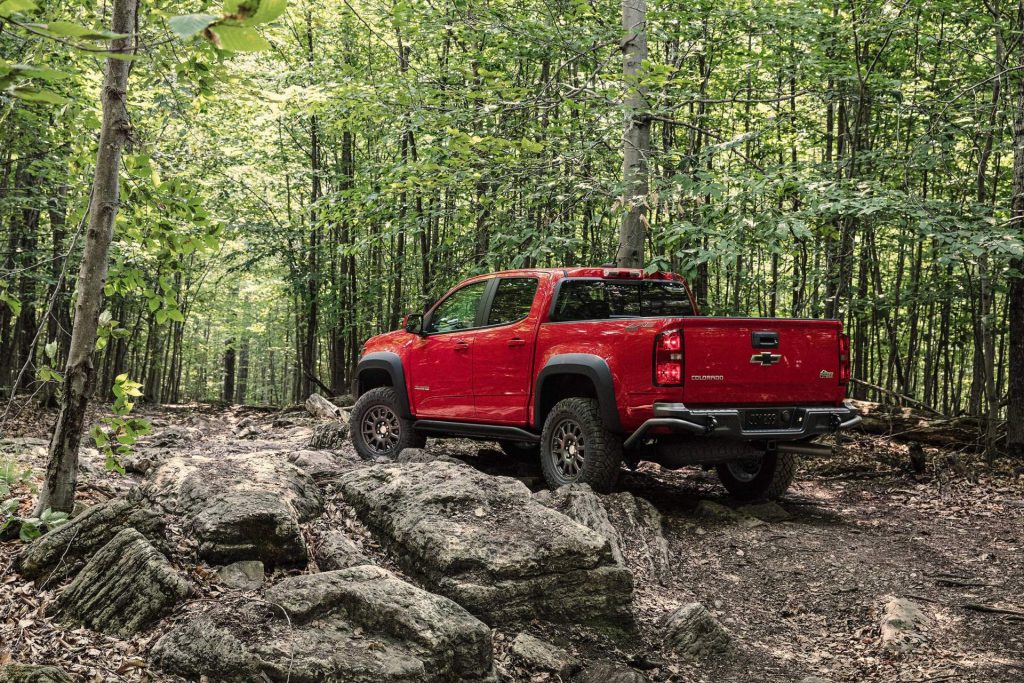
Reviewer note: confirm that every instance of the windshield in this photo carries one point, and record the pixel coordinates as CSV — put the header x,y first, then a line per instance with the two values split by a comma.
x,y
590,299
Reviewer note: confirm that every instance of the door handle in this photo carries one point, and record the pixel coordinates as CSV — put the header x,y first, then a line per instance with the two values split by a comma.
x,y
461,345
516,341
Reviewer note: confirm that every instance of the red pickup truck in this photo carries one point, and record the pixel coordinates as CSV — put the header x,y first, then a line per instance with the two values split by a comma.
x,y
593,367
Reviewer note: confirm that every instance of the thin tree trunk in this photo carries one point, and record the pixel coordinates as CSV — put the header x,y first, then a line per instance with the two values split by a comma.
x,y
58,490
228,392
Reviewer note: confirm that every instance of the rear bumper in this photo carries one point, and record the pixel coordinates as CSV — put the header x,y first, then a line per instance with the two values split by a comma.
x,y
676,418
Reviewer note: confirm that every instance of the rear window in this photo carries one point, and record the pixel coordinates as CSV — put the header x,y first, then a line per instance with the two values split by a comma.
x,y
580,299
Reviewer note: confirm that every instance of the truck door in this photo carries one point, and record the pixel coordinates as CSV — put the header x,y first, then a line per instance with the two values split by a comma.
x,y
441,361
503,352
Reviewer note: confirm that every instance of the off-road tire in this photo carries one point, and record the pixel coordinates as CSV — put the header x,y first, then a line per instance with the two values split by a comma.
x,y
602,450
772,479
383,402
520,450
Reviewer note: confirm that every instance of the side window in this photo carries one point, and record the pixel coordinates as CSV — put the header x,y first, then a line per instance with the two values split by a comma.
x,y
458,311
512,301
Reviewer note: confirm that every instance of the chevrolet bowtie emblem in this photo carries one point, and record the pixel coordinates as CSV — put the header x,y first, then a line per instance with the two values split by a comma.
x,y
766,358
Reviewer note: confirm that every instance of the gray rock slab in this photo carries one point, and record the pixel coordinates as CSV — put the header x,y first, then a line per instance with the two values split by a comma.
x,y
62,551
359,625
337,551
609,672
246,575
902,625
694,634
32,673
123,588
240,506
539,655
484,542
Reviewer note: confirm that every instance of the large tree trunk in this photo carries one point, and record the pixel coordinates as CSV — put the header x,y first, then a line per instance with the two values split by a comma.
x,y
58,491
636,141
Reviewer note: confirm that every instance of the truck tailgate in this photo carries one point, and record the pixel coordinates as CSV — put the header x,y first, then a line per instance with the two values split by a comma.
x,y
745,361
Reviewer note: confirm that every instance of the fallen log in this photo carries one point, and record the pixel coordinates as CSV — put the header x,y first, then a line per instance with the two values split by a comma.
x,y
318,406
913,426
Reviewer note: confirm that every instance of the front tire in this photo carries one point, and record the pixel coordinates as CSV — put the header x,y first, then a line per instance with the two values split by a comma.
x,y
378,428
762,477
577,449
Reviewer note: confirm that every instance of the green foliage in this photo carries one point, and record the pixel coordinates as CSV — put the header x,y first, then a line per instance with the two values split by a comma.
x,y
232,31
29,528
121,432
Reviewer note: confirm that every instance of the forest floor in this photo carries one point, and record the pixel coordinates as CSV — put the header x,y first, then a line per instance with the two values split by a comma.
x,y
800,597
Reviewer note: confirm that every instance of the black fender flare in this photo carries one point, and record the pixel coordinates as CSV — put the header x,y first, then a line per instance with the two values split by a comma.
x,y
587,365
392,364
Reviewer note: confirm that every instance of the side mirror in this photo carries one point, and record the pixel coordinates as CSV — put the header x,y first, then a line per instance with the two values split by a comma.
x,y
413,323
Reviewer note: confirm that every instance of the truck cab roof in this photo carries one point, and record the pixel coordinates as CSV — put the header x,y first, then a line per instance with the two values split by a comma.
x,y
604,272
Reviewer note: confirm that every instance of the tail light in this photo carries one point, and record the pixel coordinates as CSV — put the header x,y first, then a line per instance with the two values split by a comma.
x,y
844,359
668,359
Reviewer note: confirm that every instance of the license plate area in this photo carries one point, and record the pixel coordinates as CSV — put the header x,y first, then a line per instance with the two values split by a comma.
x,y
772,418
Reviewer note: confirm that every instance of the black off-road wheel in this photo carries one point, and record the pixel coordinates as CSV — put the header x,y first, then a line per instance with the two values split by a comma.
x,y
575,448
378,428
761,477
520,450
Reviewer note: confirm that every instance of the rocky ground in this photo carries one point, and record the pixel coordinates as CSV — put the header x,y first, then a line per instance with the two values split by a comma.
x,y
234,549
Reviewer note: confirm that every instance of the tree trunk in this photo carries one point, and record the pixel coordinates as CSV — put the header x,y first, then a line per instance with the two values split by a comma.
x,y
228,394
1015,385
636,141
58,491
242,385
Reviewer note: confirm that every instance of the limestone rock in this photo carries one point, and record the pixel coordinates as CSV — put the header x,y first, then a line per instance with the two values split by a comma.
x,y
415,455
32,673
63,550
240,506
539,655
174,436
361,624
639,525
319,464
251,525
767,512
486,543
632,526
579,503
204,647
318,406
126,586
709,509
902,625
329,435
336,551
693,633
609,672
246,575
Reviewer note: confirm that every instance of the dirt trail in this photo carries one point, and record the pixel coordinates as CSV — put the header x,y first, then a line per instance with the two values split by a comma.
x,y
801,596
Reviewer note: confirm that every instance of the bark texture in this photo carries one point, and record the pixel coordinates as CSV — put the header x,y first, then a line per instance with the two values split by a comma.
x,y
58,491
636,141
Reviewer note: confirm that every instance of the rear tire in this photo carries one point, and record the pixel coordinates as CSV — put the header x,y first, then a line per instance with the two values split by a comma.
x,y
520,450
378,428
577,449
764,477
